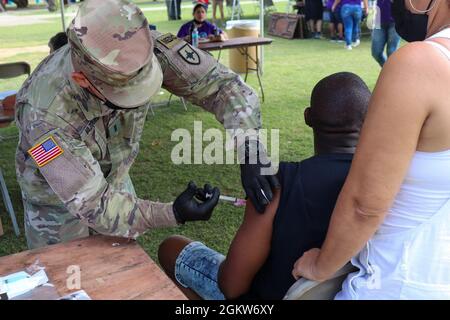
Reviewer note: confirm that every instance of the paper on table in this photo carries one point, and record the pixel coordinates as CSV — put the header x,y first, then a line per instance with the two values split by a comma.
x,y
21,282
78,295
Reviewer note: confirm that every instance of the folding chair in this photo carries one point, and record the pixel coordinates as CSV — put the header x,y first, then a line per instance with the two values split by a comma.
x,y
305,289
181,99
11,70
8,204
166,104
14,69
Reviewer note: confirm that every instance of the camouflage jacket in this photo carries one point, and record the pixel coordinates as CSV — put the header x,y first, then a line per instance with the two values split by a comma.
x,y
100,144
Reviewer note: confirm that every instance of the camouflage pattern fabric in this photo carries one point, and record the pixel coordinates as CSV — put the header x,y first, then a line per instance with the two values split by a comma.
x,y
88,185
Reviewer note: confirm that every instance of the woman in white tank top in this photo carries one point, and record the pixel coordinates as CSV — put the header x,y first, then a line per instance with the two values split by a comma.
x,y
392,218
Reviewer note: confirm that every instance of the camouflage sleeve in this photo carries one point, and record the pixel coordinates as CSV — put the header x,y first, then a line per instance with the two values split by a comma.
x,y
195,75
76,178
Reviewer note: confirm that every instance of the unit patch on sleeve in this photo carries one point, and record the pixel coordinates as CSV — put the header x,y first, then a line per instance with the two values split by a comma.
x,y
189,55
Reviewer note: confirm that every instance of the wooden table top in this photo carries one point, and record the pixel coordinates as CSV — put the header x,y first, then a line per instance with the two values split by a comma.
x,y
111,268
234,43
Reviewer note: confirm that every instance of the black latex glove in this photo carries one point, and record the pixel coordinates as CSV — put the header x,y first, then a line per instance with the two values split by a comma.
x,y
257,187
195,203
205,193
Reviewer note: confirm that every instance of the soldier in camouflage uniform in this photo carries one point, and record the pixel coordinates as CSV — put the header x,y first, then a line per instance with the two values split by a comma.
x,y
81,115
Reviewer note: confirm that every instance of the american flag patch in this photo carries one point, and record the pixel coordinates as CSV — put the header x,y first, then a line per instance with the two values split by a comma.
x,y
45,152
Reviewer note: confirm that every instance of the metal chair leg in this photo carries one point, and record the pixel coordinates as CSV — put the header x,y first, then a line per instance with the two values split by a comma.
x,y
184,103
8,204
170,98
258,70
151,109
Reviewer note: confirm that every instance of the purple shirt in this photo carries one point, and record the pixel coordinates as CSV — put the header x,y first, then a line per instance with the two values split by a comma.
x,y
330,5
350,2
204,31
385,11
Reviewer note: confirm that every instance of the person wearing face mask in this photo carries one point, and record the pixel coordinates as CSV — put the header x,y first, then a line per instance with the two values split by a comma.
x,y
392,217
81,115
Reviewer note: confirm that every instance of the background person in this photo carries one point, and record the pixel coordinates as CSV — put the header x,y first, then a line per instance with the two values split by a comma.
x,y
336,25
57,41
313,16
173,9
219,4
206,29
351,14
384,34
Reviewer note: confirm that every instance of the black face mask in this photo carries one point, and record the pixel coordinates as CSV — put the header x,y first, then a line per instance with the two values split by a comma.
x,y
409,26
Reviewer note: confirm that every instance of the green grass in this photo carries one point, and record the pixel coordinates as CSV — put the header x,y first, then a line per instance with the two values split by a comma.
x,y
292,67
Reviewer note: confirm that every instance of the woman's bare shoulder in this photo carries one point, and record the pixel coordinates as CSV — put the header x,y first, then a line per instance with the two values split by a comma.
x,y
415,57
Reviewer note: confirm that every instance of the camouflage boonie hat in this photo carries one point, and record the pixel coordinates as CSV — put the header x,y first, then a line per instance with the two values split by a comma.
x,y
111,44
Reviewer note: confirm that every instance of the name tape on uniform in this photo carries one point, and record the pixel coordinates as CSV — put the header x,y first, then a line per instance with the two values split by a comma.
x,y
168,40
45,151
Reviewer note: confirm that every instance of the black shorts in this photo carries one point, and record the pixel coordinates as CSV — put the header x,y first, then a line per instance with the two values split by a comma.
x,y
335,16
313,10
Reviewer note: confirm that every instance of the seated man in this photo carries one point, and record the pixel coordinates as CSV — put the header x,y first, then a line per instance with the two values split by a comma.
x,y
206,29
262,255
57,41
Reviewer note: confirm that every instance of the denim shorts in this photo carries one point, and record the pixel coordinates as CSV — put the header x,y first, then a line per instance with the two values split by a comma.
x,y
197,268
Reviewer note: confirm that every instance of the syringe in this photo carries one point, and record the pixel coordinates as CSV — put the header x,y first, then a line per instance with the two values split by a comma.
x,y
235,201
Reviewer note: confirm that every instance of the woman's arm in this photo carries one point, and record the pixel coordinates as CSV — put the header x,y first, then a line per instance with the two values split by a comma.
x,y
398,109
366,6
335,4
249,249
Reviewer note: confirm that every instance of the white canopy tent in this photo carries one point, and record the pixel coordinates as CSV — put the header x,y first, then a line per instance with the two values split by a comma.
x,y
61,5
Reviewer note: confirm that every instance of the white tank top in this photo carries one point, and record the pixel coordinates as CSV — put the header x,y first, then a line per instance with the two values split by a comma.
x,y
409,255
442,34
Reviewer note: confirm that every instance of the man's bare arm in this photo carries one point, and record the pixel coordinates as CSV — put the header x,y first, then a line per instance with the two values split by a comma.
x,y
249,249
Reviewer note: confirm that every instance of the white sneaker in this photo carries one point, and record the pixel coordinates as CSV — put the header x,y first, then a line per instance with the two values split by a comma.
x,y
356,43
349,47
